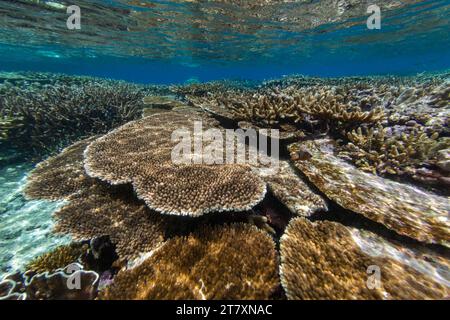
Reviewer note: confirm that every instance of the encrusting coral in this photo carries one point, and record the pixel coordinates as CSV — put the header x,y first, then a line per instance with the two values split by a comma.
x,y
184,189
235,261
401,207
57,258
322,261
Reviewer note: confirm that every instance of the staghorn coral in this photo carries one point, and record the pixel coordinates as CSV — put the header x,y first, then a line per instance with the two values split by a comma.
x,y
234,261
57,258
321,260
185,189
378,151
402,208
59,176
39,119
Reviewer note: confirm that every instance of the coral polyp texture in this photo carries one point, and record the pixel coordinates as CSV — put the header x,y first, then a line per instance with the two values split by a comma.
x,y
321,260
401,207
94,209
58,258
183,189
101,211
39,117
234,261
290,189
59,176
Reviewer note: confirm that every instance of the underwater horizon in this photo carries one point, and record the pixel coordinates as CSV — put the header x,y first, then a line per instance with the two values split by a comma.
x,y
224,150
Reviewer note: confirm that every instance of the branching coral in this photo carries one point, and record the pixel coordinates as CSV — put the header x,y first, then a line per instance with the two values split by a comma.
x,y
57,258
94,209
236,261
40,119
322,261
60,176
378,151
185,189
401,207
305,107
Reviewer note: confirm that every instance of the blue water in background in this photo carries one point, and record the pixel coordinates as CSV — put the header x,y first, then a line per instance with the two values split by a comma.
x,y
412,39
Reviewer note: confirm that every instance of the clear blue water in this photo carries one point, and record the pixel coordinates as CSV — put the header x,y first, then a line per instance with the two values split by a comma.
x,y
173,41
168,42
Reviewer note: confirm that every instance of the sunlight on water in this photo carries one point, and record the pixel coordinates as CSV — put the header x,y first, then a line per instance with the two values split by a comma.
x,y
314,37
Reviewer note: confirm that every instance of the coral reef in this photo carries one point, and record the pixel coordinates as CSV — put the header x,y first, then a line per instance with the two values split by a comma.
x,y
100,210
401,207
71,282
94,209
406,153
236,261
186,189
304,107
284,183
39,119
57,258
322,261
60,176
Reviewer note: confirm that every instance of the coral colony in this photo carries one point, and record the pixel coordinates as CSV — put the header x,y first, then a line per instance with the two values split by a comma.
x,y
360,183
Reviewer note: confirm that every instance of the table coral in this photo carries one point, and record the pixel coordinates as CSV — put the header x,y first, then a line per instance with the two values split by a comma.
x,y
321,260
94,209
57,258
235,261
191,189
401,207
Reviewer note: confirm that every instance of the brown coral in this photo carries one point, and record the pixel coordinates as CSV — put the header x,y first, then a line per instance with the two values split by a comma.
x,y
236,261
402,208
57,258
374,150
140,153
94,209
55,286
321,261
60,176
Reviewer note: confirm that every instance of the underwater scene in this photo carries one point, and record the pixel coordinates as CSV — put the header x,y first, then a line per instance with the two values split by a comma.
x,y
224,150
